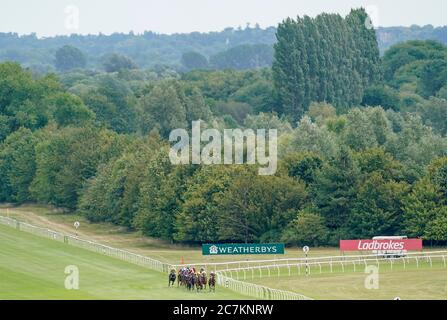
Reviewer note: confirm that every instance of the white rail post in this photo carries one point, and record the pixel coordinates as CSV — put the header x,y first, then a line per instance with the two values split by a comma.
x,y
443,259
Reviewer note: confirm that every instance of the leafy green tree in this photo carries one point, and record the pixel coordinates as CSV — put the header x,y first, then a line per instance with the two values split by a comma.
x,y
362,133
260,94
161,196
69,57
193,60
408,52
22,98
242,57
268,121
437,228
237,110
163,109
433,77
426,206
196,107
256,208
303,165
415,145
321,111
377,208
379,95
434,113
438,174
334,189
307,228
68,110
5,126
376,160
113,104
118,62
308,136
66,159
114,193
324,59
197,219
421,207
17,166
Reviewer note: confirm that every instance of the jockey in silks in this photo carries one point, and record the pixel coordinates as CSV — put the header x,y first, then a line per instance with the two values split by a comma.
x,y
180,276
212,282
172,277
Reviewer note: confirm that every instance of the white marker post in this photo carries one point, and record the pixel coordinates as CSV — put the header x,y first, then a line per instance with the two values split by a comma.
x,y
77,225
306,251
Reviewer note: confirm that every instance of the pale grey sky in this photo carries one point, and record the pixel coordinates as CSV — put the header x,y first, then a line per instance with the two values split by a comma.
x,y
51,17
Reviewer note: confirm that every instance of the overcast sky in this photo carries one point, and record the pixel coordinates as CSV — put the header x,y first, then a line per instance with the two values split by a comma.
x,y
51,17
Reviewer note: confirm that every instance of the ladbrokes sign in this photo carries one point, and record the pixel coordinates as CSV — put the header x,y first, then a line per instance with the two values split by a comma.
x,y
381,245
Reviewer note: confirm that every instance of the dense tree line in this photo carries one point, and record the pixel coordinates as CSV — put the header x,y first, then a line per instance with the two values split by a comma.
x,y
150,49
96,143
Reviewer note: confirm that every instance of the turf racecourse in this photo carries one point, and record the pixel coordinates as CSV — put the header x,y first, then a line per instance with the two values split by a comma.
x,y
106,278
423,284
410,283
32,267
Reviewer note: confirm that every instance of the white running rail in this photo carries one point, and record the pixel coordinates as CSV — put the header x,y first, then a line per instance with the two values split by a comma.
x,y
86,244
249,289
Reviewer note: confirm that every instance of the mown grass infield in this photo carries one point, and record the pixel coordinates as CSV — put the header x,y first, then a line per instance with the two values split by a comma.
x,y
32,267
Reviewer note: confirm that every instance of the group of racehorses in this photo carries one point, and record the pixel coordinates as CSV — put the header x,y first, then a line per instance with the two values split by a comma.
x,y
192,280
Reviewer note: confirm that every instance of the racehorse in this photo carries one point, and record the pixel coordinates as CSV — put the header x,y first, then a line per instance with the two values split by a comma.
x,y
201,283
181,277
191,281
172,277
212,282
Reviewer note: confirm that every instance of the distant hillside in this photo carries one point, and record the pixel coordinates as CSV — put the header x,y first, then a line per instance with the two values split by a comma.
x,y
392,35
151,49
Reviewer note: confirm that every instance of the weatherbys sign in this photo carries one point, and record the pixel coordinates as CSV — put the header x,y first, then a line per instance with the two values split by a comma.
x,y
380,245
233,249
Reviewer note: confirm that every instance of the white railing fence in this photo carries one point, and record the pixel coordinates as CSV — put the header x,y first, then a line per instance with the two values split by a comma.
x,y
87,244
430,260
329,260
249,289
257,291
